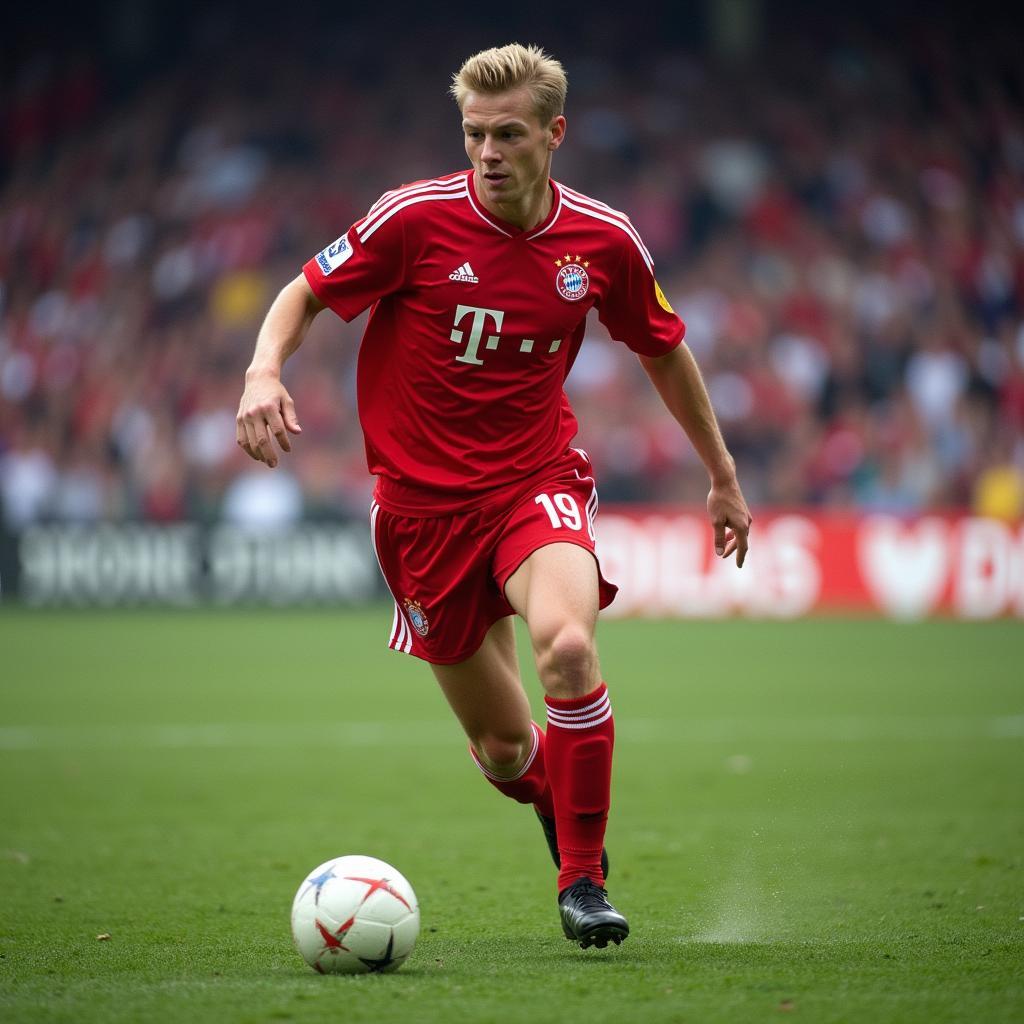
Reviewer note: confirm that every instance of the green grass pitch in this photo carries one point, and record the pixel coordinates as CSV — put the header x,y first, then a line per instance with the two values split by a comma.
x,y
816,821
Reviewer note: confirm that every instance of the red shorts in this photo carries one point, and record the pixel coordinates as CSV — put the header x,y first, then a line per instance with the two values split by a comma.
x,y
447,574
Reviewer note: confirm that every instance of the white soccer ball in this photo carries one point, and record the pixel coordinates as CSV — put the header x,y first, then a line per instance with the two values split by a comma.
x,y
354,915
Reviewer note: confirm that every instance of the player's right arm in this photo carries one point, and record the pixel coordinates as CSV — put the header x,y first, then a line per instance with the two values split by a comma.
x,y
365,264
266,410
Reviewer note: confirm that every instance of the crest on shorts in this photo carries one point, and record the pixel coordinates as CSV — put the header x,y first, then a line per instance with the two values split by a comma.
x,y
415,612
572,279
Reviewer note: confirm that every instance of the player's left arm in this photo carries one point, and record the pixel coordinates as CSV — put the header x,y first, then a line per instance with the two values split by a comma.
x,y
635,311
678,380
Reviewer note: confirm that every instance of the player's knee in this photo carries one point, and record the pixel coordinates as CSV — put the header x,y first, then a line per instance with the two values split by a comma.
x,y
567,660
502,755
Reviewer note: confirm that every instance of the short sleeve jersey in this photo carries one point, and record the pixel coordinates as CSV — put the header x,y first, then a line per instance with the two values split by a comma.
x,y
474,327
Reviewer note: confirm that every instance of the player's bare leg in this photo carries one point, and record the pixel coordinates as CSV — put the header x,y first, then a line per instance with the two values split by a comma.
x,y
486,693
487,696
556,592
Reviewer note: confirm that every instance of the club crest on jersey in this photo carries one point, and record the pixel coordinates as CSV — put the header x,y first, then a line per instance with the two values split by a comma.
x,y
572,279
415,612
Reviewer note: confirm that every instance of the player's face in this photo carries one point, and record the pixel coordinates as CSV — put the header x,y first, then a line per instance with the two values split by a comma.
x,y
509,147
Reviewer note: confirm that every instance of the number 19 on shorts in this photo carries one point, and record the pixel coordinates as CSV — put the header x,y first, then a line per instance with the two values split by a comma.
x,y
562,510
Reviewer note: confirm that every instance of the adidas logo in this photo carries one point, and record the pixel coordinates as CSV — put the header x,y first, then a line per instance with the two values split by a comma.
x,y
464,273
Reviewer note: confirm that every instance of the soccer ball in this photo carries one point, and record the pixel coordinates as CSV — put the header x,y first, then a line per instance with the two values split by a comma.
x,y
354,915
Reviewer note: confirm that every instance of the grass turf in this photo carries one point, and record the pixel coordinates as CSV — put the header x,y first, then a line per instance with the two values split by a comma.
x,y
819,819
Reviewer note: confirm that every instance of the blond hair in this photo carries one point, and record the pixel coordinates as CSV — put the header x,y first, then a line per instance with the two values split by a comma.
x,y
511,67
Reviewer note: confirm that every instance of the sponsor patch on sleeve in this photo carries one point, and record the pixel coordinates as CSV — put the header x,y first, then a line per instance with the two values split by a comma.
x,y
334,255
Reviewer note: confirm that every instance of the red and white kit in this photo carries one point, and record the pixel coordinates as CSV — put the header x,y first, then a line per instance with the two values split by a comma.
x,y
448,573
474,328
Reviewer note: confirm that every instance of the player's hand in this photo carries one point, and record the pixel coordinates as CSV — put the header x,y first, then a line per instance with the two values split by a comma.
x,y
731,520
266,411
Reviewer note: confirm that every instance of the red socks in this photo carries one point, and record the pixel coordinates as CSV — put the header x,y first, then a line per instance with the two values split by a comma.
x,y
530,786
581,734
567,776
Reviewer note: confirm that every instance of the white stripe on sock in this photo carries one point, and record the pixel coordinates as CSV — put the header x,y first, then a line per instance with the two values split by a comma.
x,y
584,718
576,712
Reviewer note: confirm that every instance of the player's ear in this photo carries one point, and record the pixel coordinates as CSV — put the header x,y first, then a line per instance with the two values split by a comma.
x,y
557,132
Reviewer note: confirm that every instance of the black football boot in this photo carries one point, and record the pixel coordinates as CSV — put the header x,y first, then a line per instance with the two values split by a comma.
x,y
587,916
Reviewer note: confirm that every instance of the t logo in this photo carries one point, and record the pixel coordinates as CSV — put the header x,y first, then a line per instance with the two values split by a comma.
x,y
476,332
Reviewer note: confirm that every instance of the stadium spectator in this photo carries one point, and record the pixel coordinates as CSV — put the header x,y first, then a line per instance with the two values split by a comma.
x,y
841,226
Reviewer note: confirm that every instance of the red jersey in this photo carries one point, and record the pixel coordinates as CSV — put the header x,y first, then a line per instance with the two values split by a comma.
x,y
475,325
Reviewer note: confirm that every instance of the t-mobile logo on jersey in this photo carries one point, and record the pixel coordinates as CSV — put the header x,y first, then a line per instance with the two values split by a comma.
x,y
476,333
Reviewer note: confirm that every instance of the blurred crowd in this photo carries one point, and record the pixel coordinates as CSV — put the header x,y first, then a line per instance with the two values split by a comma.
x,y
840,223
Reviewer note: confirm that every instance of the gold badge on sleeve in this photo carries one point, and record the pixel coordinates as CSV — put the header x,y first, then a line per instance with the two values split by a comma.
x,y
662,301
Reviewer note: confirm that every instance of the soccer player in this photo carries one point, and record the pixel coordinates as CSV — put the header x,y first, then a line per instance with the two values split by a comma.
x,y
480,283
